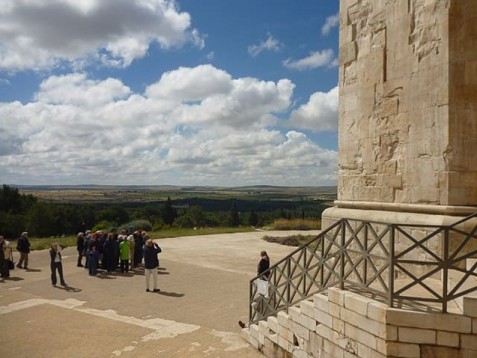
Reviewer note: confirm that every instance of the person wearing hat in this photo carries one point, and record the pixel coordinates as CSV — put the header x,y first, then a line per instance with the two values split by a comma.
x,y
23,247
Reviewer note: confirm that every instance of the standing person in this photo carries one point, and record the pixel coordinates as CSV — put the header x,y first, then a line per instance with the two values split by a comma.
x,y
130,239
108,253
23,247
5,257
115,257
151,263
124,255
80,240
138,248
89,240
56,264
93,260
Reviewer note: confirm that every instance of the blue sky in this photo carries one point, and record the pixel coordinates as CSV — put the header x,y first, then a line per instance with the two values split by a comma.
x,y
155,92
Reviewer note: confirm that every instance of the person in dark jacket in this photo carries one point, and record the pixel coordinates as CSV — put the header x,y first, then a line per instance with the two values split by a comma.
x,y
264,265
23,247
151,263
138,248
80,239
264,274
108,253
56,264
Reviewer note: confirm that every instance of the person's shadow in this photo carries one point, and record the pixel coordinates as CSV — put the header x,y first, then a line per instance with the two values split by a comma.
x,y
170,294
32,270
11,278
69,288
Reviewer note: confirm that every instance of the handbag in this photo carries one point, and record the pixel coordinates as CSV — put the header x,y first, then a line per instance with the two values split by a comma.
x,y
11,264
262,287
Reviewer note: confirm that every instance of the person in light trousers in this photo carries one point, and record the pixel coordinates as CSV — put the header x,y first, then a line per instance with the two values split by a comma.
x,y
151,263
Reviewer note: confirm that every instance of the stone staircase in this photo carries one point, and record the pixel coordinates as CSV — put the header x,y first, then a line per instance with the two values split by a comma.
x,y
344,324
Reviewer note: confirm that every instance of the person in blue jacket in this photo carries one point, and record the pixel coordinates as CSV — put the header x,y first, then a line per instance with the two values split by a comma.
x,y
93,260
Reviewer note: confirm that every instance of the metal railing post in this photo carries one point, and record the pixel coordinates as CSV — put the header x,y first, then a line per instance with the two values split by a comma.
x,y
391,260
250,288
445,267
342,255
365,264
305,268
288,282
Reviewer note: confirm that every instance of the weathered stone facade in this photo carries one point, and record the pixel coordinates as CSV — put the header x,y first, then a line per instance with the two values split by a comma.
x,y
408,102
342,324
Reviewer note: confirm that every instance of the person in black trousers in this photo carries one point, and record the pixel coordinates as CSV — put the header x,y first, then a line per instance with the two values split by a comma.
x,y
80,247
56,264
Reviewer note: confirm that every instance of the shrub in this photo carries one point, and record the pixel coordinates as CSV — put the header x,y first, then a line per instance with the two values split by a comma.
x,y
144,225
296,224
294,240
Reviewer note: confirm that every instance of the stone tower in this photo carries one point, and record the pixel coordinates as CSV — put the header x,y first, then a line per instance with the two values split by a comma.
x,y
408,111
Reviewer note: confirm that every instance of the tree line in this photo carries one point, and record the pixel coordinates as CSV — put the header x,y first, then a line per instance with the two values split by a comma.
x,y
21,212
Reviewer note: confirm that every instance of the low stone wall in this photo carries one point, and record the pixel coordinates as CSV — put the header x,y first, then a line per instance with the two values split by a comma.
x,y
343,324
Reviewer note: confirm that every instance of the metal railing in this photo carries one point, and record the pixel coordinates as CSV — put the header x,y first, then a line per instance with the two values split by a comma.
x,y
396,263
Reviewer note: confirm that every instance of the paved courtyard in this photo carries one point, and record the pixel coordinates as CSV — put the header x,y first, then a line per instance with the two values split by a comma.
x,y
204,292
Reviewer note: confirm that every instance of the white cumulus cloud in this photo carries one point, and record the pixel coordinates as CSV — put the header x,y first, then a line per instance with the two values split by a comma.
x,y
319,114
270,44
82,130
331,22
39,34
325,58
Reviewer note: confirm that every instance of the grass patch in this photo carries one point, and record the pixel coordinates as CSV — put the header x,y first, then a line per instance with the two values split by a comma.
x,y
297,224
68,241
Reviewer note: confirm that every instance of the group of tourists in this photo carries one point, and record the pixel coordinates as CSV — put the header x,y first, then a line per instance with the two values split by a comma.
x,y
108,251
115,251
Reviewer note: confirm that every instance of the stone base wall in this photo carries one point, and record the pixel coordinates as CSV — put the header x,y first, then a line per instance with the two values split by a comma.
x,y
343,324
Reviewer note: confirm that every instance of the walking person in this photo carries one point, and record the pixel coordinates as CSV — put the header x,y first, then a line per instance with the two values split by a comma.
x,y
263,272
263,266
5,257
23,247
56,264
80,240
151,263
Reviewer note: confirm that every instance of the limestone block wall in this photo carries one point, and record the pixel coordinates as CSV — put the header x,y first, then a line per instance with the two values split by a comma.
x,y
408,102
343,324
